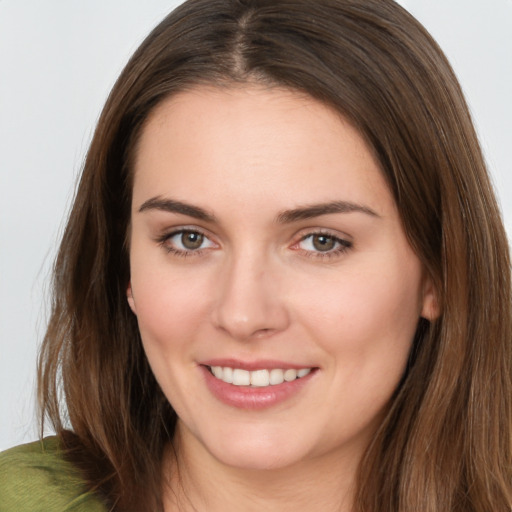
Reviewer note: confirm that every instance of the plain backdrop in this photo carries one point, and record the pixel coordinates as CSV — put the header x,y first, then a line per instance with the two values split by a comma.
x,y
58,60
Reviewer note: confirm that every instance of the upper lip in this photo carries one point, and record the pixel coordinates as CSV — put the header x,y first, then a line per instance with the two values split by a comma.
x,y
259,364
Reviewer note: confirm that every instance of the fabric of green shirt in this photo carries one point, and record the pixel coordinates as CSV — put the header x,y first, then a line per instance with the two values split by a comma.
x,y
35,477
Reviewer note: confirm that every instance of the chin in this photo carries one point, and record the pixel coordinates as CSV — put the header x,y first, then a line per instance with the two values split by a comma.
x,y
257,448
255,458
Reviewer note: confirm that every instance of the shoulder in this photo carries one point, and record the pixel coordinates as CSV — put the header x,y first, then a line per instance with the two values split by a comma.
x,y
36,477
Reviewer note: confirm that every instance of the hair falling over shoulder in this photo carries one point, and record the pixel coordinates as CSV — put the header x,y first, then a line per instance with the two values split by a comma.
x,y
445,444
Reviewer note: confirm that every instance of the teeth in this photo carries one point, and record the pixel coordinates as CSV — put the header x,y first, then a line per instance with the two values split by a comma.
x,y
260,378
290,375
240,377
217,371
227,375
257,378
276,377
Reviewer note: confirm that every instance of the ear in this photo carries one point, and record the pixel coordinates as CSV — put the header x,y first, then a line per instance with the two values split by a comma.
x,y
129,296
430,306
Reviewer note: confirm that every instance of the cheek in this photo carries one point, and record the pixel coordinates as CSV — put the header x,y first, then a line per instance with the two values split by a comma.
x,y
169,308
367,317
169,314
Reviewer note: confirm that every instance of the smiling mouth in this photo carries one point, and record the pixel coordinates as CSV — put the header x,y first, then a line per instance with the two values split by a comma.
x,y
257,378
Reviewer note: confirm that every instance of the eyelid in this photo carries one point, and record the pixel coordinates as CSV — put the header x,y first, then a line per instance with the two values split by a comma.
x,y
334,233
163,240
344,242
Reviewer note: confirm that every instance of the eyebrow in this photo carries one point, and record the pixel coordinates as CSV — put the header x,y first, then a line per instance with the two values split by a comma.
x,y
174,206
284,217
316,210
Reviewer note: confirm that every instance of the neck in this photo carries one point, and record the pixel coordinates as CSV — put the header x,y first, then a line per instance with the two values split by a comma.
x,y
198,482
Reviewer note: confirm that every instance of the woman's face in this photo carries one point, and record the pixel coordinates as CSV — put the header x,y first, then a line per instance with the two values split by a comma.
x,y
267,249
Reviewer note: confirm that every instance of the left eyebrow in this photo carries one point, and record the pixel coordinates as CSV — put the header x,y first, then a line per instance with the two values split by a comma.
x,y
316,210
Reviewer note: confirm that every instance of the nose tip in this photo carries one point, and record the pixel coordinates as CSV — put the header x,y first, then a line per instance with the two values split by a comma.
x,y
250,305
246,328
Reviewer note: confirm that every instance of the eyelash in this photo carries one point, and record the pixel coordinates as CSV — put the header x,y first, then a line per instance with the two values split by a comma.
x,y
342,245
164,241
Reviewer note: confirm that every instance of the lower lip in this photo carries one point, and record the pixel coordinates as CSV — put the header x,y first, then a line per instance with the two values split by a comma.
x,y
253,398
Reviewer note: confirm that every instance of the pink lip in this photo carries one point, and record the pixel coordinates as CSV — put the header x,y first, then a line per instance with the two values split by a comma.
x,y
260,364
245,397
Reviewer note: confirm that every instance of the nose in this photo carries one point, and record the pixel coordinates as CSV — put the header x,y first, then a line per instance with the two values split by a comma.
x,y
249,304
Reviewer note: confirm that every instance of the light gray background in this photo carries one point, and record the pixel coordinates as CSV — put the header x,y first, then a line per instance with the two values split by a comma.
x,y
58,60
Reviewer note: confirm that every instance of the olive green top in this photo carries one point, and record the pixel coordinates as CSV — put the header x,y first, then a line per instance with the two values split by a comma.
x,y
35,477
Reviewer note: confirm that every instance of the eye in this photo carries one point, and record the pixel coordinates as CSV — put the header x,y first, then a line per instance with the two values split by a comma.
x,y
323,244
189,240
186,241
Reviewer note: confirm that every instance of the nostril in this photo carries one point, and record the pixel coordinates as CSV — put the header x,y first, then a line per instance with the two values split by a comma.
x,y
248,308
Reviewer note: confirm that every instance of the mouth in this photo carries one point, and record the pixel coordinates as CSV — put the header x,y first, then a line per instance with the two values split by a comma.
x,y
257,378
255,385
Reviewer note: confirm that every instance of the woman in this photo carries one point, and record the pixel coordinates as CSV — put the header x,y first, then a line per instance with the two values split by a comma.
x,y
284,282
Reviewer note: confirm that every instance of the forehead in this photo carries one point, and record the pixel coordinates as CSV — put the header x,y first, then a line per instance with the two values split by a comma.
x,y
248,142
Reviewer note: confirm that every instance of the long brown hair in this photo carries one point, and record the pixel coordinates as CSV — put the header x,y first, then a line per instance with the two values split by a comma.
x,y
445,444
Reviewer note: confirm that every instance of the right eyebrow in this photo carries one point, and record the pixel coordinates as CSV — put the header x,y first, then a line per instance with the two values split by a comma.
x,y
174,206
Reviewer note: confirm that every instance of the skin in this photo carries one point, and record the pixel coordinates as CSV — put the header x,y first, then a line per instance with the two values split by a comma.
x,y
259,288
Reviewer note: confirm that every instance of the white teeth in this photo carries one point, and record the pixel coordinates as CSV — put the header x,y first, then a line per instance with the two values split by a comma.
x,y
257,378
276,376
241,377
290,375
260,378
217,371
227,375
